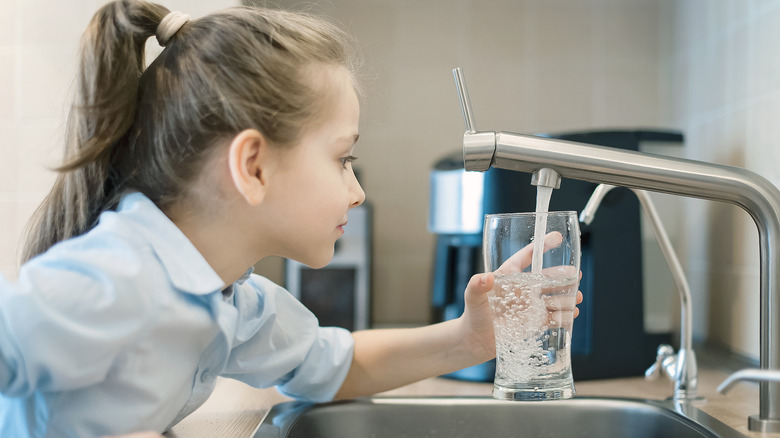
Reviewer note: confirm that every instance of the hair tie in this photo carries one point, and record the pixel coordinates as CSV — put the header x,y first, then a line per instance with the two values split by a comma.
x,y
169,25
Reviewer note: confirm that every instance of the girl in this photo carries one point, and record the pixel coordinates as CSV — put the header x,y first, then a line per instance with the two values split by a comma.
x,y
235,144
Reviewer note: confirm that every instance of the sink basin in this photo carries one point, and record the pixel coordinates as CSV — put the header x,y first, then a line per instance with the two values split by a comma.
x,y
475,417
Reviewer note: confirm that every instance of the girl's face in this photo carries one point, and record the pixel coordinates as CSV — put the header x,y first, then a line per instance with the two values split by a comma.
x,y
316,187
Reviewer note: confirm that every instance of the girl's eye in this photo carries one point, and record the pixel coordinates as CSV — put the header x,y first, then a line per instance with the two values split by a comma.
x,y
347,159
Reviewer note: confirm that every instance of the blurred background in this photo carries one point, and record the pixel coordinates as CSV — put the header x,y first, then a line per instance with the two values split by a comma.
x,y
709,69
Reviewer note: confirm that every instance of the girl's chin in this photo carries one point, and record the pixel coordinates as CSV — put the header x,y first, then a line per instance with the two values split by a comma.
x,y
317,261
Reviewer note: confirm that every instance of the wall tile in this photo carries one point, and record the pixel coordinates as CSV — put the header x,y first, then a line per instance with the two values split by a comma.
x,y
7,84
736,131
735,65
762,136
45,82
677,96
40,147
707,91
626,97
9,161
7,237
559,36
422,41
60,25
562,99
763,38
7,22
626,36
728,308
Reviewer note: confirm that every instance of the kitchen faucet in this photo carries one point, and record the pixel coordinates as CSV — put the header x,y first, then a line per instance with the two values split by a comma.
x,y
746,189
680,367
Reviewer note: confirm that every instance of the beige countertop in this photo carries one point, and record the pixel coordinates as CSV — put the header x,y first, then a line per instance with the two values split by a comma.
x,y
235,409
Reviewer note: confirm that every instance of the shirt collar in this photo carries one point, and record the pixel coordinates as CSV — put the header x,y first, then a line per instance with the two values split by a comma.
x,y
187,269
246,275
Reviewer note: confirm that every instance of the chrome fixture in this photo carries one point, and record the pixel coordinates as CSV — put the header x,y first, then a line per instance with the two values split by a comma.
x,y
750,191
680,367
763,376
546,178
751,374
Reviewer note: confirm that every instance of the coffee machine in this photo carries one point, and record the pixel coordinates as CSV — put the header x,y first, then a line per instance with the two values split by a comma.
x,y
608,338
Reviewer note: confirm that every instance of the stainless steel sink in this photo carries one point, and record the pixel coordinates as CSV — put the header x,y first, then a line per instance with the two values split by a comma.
x,y
475,417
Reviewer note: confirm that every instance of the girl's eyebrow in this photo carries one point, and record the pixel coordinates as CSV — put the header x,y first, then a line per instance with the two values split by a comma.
x,y
353,139
348,140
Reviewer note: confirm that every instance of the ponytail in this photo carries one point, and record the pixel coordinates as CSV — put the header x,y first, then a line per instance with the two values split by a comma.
x,y
103,109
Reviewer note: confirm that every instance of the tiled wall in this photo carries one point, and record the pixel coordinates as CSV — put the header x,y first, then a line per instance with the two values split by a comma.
x,y
723,74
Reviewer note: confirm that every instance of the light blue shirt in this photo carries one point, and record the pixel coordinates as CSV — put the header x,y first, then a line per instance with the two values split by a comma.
x,y
127,327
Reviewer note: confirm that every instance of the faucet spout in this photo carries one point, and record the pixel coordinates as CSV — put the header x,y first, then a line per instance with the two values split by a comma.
x,y
546,178
750,191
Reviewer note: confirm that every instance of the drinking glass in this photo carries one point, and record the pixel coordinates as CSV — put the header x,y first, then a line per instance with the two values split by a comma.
x,y
533,301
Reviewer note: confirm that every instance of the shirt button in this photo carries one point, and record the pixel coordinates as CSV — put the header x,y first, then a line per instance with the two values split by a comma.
x,y
206,376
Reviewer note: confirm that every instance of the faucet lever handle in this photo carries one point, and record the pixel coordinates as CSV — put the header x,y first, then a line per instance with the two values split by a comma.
x,y
663,354
465,102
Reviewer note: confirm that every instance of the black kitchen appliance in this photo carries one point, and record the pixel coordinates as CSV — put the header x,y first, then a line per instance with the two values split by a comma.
x,y
608,337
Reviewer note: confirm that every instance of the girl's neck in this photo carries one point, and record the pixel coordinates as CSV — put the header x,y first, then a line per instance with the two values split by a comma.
x,y
216,239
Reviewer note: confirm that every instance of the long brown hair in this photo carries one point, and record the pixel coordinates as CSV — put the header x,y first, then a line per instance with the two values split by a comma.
x,y
148,130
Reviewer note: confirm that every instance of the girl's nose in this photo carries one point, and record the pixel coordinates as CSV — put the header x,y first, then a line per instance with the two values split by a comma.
x,y
358,195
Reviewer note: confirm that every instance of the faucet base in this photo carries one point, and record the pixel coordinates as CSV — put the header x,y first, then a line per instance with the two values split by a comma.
x,y
687,398
756,424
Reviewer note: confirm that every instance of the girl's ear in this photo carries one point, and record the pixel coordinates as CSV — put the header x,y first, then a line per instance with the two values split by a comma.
x,y
245,161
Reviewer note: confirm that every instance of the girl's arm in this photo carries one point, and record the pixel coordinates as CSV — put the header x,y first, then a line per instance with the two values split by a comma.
x,y
387,359
138,435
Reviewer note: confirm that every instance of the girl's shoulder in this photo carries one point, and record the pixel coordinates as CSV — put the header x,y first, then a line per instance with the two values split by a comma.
x,y
137,247
110,262
112,244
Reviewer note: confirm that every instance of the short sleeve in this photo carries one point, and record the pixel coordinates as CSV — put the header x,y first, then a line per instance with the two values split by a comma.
x,y
279,342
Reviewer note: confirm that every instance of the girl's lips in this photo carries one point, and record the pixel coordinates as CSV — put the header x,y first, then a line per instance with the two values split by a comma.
x,y
342,225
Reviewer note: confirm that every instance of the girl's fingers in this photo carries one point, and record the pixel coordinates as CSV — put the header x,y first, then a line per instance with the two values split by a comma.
x,y
522,259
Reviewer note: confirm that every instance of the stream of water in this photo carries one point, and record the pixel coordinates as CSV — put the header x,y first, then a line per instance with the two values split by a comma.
x,y
543,195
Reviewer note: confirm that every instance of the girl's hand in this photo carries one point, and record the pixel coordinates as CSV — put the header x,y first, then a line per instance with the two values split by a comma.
x,y
476,320
522,259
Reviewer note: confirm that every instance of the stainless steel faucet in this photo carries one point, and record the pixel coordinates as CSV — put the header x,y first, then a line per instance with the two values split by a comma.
x,y
680,367
750,191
